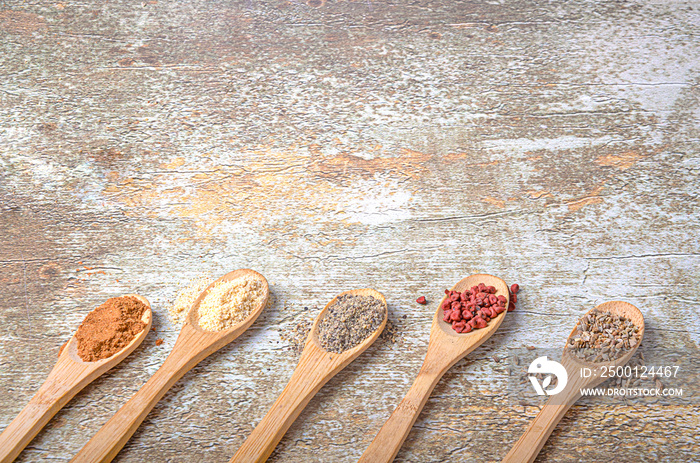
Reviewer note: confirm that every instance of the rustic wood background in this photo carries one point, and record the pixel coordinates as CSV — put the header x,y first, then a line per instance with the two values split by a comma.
x,y
336,145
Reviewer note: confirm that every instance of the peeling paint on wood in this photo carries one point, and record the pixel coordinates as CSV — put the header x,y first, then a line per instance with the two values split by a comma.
x,y
335,145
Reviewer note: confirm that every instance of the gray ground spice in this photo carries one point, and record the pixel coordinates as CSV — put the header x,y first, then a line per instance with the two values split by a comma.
x,y
349,321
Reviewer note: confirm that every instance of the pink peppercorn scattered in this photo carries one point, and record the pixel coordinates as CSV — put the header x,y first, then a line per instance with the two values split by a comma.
x,y
514,288
422,300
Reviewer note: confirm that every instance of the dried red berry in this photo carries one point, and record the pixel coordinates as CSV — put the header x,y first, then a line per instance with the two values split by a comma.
x,y
473,308
514,288
421,300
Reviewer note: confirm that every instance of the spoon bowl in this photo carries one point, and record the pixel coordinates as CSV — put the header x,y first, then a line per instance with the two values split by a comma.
x,y
619,308
228,334
70,375
529,445
70,349
192,346
313,334
445,348
316,366
441,327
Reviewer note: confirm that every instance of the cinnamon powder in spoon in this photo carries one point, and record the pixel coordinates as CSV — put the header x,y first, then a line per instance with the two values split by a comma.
x,y
110,327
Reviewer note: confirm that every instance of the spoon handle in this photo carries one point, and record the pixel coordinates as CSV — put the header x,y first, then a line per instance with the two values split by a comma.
x,y
110,439
388,441
314,370
41,408
65,380
530,443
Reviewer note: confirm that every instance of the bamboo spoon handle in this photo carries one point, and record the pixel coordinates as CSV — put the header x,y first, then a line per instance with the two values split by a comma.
x,y
110,439
530,443
388,441
303,385
48,400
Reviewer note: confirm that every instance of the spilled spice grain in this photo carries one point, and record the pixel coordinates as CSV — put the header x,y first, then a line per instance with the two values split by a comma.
x,y
296,337
110,327
159,342
350,320
390,332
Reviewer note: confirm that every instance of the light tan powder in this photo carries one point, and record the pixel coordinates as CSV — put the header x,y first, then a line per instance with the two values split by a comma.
x,y
186,297
228,303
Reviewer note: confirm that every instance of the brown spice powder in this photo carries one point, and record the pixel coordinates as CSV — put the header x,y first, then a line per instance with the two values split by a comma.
x,y
110,327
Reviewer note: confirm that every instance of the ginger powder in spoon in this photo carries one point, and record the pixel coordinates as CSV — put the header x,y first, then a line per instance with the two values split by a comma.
x,y
228,303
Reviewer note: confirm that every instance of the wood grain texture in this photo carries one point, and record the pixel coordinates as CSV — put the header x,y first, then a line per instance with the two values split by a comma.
x,y
336,145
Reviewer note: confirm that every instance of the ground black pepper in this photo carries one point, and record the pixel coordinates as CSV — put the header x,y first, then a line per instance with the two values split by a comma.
x,y
349,321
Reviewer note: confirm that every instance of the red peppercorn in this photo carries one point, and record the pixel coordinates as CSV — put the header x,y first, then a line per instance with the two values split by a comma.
x,y
473,308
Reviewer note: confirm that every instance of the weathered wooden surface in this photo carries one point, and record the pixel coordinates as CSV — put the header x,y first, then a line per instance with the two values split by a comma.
x,y
335,145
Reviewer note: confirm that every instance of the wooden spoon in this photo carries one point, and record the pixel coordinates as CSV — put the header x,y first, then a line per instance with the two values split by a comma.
x,y
445,348
316,366
192,346
70,375
530,444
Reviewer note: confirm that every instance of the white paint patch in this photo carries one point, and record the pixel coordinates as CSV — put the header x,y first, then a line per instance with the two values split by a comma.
x,y
373,204
524,145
